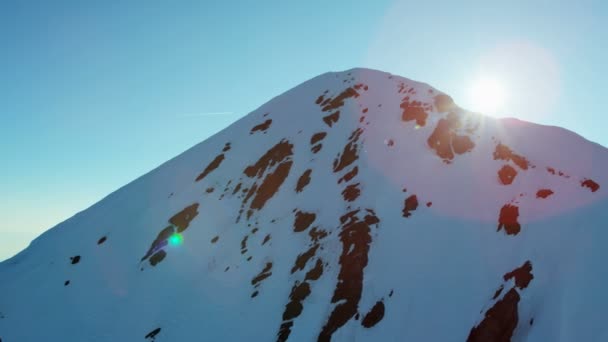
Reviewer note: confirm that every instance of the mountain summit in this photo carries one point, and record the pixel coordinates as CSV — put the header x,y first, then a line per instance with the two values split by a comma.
x,y
358,206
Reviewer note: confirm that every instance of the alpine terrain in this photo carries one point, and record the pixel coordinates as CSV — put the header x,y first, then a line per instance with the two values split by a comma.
x,y
358,206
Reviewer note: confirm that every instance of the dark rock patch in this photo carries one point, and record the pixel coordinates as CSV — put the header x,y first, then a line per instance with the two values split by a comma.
x,y
303,180
214,240
462,144
338,101
261,127
499,322
319,99
350,153
157,257
75,259
498,292
160,241
410,204
374,316
226,147
284,331
66,283
265,273
317,137
440,140
244,244
237,188
152,334
503,152
523,275
275,155
446,142
315,272
215,163
356,237
279,154
303,258
508,219
294,308
182,219
315,149
332,118
413,111
588,183
317,234
506,174
303,220
349,175
351,192
101,240
266,239
544,193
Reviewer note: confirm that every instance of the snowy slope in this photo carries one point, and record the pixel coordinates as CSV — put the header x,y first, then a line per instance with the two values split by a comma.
x,y
358,206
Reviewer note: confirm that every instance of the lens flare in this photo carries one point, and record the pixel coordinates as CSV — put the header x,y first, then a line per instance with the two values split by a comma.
x,y
176,239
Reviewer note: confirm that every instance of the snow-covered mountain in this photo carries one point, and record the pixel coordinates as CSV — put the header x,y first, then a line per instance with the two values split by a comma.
x,y
358,206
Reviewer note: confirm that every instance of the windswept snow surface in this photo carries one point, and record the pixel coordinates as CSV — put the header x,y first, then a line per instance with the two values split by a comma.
x,y
358,206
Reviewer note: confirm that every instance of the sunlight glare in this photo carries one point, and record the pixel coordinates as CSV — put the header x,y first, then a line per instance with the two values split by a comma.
x,y
487,96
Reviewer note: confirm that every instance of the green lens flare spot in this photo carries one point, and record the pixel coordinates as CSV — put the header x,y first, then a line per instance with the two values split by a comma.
x,y
176,239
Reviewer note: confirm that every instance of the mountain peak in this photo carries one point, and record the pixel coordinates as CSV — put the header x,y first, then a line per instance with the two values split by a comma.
x,y
358,205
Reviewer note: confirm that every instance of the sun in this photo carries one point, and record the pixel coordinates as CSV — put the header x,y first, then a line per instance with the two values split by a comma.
x,y
487,96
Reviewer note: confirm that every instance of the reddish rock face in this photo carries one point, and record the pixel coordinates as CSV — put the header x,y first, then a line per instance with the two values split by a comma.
x,y
374,316
350,153
338,101
356,237
215,163
588,183
462,144
303,220
503,152
349,175
506,174
523,275
332,118
261,127
351,192
265,273
499,322
182,219
279,155
413,111
317,137
410,204
303,180
445,141
444,103
179,223
508,219
544,193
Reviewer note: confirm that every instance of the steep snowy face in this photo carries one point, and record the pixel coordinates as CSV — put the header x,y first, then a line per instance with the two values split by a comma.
x,y
356,206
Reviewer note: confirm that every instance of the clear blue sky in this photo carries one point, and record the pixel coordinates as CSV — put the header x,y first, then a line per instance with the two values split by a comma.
x,y
94,94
